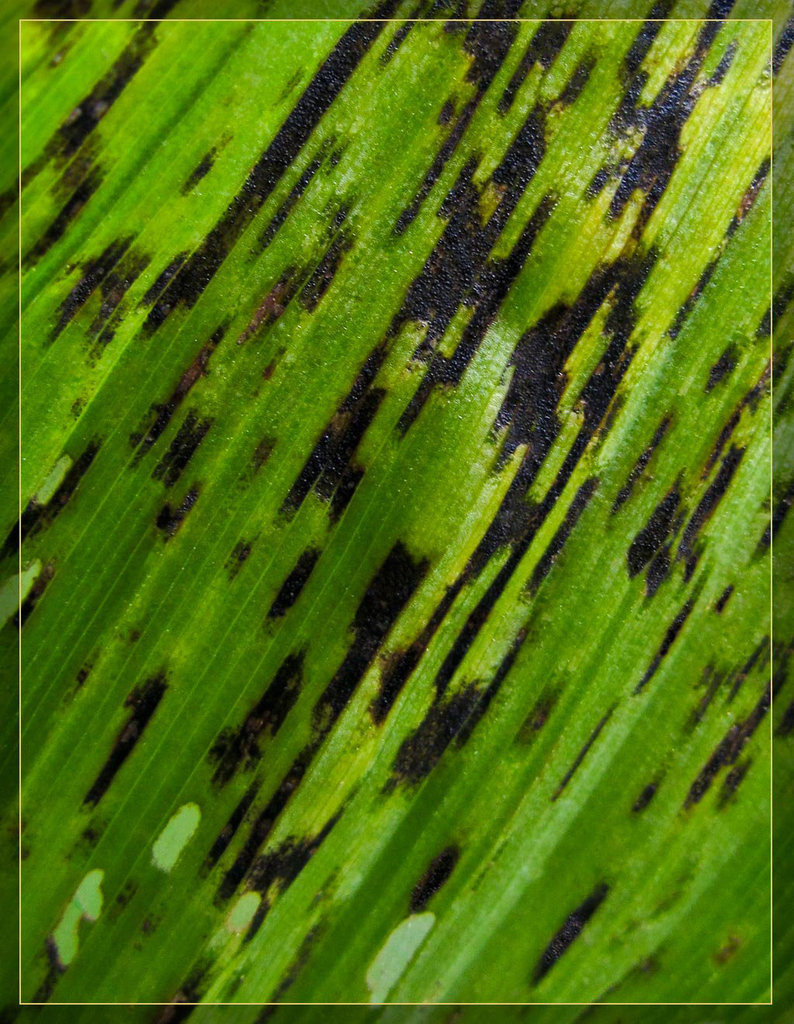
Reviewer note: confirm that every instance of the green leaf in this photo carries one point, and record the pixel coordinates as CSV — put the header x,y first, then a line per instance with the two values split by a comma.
x,y
395,434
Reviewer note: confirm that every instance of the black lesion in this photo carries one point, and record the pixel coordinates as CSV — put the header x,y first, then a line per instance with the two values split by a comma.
x,y
645,37
202,265
710,682
731,783
581,755
94,273
162,280
67,213
538,716
231,827
691,301
690,546
397,40
570,931
263,824
330,464
35,594
543,49
651,166
650,549
641,464
750,195
143,701
577,82
436,875
277,869
201,170
294,583
669,639
758,658
323,274
390,590
238,557
169,518
488,43
113,289
279,218
728,751
784,43
724,366
722,600
38,516
549,557
645,797
239,749
160,415
783,498
422,750
182,449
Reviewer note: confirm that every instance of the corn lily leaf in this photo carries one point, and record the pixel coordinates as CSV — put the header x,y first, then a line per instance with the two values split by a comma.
x,y
396,511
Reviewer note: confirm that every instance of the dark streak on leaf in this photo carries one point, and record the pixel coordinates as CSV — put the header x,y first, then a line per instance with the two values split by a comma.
x,y
323,274
723,599
761,651
289,140
683,313
436,875
329,463
38,517
732,782
182,449
25,610
273,304
543,48
537,717
264,823
673,630
239,748
645,37
68,212
728,751
113,288
708,503
280,216
163,413
238,557
725,365
578,505
229,830
94,273
749,197
645,797
391,588
294,583
200,171
581,755
162,279
640,465
144,701
170,519
782,47
572,928
653,535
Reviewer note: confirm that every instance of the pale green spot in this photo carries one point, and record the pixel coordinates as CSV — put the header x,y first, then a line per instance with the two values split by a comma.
x,y
15,589
53,481
86,903
175,836
396,953
242,913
